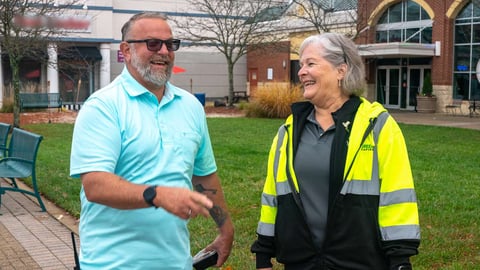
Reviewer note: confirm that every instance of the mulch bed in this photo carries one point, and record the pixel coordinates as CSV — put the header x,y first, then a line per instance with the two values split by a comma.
x,y
234,111
40,117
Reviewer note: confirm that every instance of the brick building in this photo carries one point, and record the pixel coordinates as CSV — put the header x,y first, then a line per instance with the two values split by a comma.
x,y
271,64
279,63
404,41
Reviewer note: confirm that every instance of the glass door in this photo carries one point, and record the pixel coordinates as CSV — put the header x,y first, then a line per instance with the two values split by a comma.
x,y
388,86
415,83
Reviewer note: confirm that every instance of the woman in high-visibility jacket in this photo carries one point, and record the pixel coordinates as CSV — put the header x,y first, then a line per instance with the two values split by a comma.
x,y
339,191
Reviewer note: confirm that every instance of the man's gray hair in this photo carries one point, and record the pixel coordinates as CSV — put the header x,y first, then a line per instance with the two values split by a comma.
x,y
142,15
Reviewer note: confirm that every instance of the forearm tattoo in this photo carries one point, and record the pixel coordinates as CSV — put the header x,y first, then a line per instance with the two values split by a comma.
x,y
201,189
217,213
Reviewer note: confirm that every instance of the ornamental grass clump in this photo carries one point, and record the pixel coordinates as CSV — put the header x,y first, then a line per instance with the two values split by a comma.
x,y
274,100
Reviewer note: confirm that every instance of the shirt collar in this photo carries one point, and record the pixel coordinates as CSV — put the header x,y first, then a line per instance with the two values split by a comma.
x,y
134,88
311,118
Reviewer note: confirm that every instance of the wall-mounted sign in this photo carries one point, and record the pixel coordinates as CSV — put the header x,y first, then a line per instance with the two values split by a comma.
x,y
68,23
120,58
269,73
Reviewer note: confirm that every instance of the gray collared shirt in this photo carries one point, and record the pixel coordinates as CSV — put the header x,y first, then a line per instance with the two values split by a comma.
x,y
312,168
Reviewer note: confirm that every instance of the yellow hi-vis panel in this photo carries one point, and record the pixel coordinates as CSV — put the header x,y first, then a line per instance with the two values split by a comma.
x,y
268,214
398,214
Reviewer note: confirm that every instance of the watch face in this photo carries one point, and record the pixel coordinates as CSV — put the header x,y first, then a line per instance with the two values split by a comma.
x,y
149,194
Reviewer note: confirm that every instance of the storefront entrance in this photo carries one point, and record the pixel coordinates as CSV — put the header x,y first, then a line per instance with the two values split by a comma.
x,y
388,86
397,87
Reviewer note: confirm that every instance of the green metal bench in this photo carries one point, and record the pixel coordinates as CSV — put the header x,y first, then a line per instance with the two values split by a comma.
x,y
20,163
4,131
40,100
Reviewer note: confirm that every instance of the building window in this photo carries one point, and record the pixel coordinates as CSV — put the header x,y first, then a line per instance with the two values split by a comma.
x,y
467,52
406,21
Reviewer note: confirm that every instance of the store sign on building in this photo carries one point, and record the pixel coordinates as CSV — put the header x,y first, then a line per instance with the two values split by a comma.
x,y
69,23
120,58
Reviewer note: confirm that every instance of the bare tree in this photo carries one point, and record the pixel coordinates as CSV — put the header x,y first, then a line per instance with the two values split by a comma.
x,y
74,69
231,26
327,15
27,27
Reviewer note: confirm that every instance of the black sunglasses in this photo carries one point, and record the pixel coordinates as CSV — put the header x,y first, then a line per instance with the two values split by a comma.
x,y
155,45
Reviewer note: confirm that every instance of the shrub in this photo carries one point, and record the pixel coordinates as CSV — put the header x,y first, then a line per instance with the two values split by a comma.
x,y
427,86
7,106
273,100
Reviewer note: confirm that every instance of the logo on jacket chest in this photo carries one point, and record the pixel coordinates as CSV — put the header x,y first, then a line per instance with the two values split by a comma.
x,y
367,147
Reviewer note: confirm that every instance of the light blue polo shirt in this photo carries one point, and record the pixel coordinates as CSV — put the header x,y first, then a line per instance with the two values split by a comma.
x,y
124,130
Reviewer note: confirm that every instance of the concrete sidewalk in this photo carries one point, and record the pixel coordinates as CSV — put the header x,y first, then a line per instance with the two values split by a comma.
x,y
435,119
30,239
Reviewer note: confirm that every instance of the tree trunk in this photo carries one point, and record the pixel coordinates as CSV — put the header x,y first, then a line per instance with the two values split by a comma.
x,y
14,65
230,84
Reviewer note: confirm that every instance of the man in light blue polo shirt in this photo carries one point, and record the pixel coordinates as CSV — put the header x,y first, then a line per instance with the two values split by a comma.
x,y
140,146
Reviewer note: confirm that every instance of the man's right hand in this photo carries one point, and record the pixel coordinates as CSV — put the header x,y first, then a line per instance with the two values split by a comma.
x,y
182,202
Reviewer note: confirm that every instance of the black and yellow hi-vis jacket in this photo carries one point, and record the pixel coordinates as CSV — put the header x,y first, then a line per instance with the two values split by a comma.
x,y
372,215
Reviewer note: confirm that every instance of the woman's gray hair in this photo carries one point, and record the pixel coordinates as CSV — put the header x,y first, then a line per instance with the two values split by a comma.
x,y
338,50
142,15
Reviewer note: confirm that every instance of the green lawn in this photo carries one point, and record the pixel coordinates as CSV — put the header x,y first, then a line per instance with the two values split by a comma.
x,y
445,164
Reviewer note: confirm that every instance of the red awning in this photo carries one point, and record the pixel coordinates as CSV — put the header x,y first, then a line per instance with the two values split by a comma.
x,y
33,74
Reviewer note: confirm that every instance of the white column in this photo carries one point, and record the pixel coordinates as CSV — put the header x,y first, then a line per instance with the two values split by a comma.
x,y
105,64
52,69
1,79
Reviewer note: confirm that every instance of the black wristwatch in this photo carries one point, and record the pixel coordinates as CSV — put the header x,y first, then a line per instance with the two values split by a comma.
x,y
149,195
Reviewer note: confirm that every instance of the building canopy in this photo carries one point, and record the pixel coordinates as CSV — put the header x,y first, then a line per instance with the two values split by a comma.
x,y
81,53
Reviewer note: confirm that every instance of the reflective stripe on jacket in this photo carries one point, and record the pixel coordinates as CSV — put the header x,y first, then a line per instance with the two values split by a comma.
x,y
373,216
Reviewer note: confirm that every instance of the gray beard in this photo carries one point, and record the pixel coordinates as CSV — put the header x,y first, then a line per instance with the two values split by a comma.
x,y
158,79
